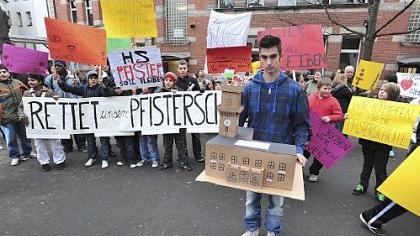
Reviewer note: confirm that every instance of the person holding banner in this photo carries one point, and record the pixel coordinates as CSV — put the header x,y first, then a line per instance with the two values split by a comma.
x,y
329,109
311,85
10,123
342,92
375,154
188,83
59,157
93,89
180,138
59,68
277,109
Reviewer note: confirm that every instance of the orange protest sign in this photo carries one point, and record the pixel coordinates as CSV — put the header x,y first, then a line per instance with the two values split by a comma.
x,y
236,58
74,42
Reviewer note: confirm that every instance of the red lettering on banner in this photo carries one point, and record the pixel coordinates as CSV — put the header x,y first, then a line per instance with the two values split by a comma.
x,y
237,58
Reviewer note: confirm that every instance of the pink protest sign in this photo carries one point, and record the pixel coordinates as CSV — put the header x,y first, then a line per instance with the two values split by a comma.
x,y
327,144
24,60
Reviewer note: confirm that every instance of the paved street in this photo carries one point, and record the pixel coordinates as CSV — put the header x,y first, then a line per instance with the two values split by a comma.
x,y
144,201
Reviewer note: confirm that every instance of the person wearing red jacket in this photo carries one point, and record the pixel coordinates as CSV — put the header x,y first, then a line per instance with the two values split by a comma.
x,y
330,111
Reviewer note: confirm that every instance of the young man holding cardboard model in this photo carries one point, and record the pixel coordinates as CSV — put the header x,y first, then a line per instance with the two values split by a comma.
x,y
277,109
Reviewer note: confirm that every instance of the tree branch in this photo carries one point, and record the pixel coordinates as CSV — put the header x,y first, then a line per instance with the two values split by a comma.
x,y
286,21
399,33
393,18
334,21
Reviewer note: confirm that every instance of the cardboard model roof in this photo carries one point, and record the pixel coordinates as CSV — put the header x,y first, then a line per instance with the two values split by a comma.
x,y
256,145
297,192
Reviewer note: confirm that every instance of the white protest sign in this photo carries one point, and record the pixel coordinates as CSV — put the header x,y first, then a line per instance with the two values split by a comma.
x,y
137,67
158,113
226,30
409,84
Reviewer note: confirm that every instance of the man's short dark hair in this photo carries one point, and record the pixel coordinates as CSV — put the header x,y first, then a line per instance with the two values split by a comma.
x,y
182,62
270,41
36,76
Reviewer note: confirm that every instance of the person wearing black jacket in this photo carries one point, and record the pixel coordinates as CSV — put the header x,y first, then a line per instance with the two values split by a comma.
x,y
342,92
92,89
187,83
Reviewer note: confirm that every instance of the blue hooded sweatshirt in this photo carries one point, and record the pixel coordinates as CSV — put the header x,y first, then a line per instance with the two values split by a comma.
x,y
277,111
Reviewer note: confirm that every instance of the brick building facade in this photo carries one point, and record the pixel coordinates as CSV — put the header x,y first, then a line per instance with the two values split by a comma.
x,y
185,35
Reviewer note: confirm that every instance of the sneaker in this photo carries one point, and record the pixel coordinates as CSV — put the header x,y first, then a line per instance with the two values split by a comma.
x,y
380,197
133,166
269,233
90,162
251,233
104,164
359,190
82,149
46,167
27,157
141,163
185,166
14,161
199,159
313,178
120,163
165,166
61,166
155,164
1,147
391,153
375,230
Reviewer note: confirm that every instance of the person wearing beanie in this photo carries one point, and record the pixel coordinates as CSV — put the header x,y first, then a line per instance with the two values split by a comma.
x,y
59,68
180,138
91,89
10,123
38,90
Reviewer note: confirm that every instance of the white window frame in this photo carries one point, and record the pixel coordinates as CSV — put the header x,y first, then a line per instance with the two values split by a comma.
x,y
89,9
73,10
351,51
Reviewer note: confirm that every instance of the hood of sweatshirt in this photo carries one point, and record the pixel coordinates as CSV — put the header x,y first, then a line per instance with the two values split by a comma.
x,y
272,88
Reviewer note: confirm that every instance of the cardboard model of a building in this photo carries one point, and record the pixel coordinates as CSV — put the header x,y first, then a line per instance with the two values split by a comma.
x,y
230,109
237,159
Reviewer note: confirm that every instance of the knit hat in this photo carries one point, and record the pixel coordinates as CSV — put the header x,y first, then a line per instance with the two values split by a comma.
x,y
60,63
3,67
92,73
171,76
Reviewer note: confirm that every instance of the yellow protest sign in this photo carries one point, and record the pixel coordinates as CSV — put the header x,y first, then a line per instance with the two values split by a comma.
x,y
255,67
367,74
129,18
402,186
381,121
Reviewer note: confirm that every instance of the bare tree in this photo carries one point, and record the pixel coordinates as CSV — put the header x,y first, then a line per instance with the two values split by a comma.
x,y
4,29
371,32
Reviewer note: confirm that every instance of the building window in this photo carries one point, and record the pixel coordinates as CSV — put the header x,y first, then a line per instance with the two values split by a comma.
x,y
414,23
19,19
271,165
350,49
258,163
245,161
89,12
221,156
234,159
176,21
73,11
29,18
282,166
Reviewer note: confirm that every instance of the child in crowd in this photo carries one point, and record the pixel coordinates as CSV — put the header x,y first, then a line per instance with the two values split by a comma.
x,y
92,89
376,154
329,109
59,157
218,85
148,145
185,82
179,138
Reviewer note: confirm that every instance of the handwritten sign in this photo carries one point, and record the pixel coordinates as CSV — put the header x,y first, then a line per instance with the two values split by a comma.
x,y
327,144
402,186
24,60
113,44
137,67
157,113
129,18
77,43
381,121
302,46
409,84
227,30
367,74
237,58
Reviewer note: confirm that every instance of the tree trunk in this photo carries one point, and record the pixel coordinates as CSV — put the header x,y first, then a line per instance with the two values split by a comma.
x,y
370,33
4,30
